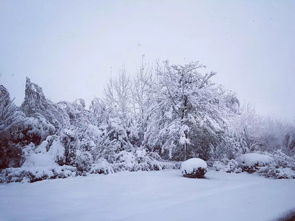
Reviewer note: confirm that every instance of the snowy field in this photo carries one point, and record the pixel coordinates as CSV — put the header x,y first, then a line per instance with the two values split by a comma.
x,y
157,195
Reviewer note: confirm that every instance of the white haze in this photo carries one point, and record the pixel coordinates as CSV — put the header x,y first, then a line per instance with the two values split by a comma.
x,y
71,48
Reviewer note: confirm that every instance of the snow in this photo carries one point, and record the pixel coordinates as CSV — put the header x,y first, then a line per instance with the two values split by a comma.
x,y
157,195
40,157
192,164
252,159
285,172
102,166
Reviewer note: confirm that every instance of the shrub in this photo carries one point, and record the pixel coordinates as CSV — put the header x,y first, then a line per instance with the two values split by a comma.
x,y
225,165
277,172
194,168
28,174
251,162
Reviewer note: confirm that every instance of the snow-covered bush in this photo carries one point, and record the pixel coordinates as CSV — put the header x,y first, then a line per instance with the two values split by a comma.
x,y
33,174
277,172
40,162
49,153
282,167
78,148
194,168
283,160
251,162
141,160
133,161
226,165
84,161
272,165
102,166
275,165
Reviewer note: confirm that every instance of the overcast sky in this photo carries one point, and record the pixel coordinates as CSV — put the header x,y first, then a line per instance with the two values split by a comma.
x,y
70,47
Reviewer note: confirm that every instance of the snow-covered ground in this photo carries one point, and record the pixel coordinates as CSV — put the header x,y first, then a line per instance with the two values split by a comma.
x,y
157,195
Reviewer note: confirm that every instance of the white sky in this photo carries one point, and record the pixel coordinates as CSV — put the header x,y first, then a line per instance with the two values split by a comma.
x,y
69,47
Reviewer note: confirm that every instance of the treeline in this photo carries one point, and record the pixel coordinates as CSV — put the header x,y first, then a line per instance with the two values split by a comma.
x,y
164,113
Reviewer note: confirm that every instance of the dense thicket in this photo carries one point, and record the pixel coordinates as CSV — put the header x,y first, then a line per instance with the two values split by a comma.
x,y
167,113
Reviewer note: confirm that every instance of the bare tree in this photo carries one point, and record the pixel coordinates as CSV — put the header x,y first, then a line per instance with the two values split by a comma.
x,y
118,95
142,92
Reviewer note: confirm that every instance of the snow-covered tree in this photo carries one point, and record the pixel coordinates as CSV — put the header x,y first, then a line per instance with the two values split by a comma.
x,y
170,112
8,110
10,152
189,113
118,96
35,103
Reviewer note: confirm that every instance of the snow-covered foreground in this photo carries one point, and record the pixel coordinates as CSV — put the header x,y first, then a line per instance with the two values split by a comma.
x,y
157,195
